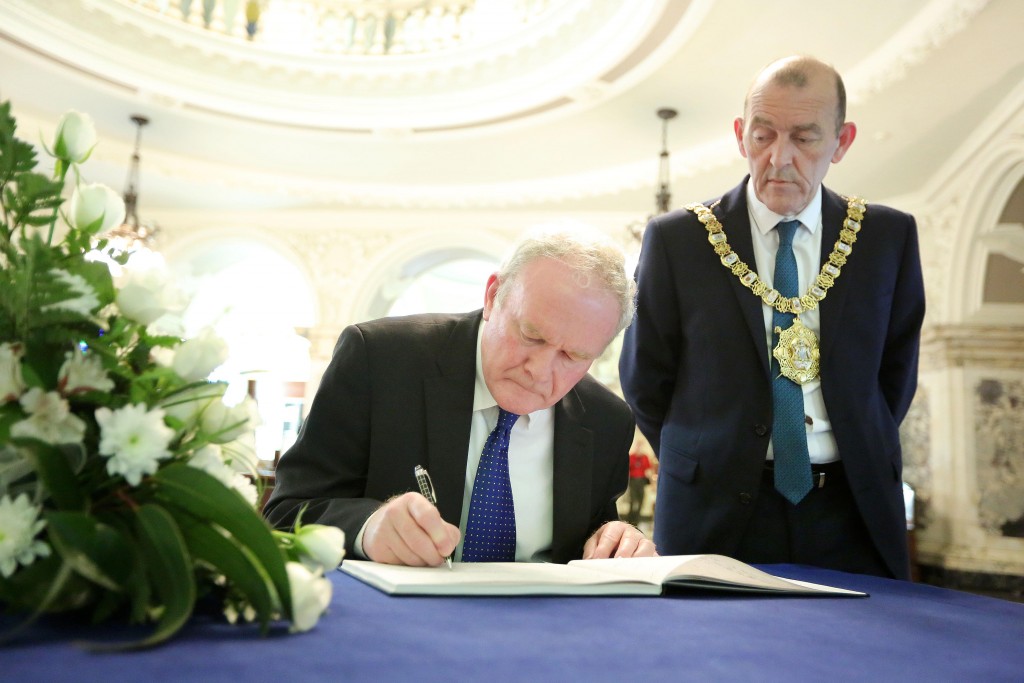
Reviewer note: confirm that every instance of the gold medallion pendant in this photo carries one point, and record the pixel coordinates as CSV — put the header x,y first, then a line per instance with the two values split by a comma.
x,y
797,350
797,353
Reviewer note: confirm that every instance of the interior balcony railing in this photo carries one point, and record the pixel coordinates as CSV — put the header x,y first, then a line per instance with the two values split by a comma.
x,y
352,27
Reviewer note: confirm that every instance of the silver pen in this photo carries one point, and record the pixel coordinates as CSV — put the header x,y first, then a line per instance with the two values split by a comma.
x,y
427,491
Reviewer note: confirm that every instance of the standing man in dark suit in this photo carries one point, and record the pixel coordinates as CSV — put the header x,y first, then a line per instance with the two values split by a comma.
x,y
774,414
427,389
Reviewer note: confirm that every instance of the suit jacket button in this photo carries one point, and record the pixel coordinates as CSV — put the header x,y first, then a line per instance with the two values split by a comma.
x,y
745,498
760,430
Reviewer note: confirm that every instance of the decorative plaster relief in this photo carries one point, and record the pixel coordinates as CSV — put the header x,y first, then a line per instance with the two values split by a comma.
x,y
915,438
999,435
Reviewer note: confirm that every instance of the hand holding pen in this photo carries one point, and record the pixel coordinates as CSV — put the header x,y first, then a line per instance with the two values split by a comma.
x,y
427,490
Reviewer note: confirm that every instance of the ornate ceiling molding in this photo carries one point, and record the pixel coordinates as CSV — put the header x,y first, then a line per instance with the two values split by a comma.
x,y
576,43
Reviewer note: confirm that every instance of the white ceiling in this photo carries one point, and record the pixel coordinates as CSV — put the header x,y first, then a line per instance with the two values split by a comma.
x,y
558,117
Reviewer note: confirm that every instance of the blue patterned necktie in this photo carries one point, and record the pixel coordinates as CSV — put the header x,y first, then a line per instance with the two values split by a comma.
x,y
491,525
789,436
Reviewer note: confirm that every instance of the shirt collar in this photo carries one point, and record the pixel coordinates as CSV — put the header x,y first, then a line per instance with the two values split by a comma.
x,y
765,219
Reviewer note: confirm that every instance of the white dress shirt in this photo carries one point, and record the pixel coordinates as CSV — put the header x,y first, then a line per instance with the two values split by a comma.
x,y
821,443
530,467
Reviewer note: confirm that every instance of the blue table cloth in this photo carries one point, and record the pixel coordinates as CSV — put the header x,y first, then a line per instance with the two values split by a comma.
x,y
902,632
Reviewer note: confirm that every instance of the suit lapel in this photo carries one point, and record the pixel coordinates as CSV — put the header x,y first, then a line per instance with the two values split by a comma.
x,y
735,219
573,464
833,212
449,411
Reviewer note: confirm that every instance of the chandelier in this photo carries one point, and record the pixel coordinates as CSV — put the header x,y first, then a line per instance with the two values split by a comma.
x,y
663,199
134,234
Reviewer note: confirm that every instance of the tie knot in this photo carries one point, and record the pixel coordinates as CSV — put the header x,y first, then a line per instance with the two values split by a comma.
x,y
787,229
506,419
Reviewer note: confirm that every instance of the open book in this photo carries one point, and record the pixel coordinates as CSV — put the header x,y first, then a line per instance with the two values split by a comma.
x,y
625,576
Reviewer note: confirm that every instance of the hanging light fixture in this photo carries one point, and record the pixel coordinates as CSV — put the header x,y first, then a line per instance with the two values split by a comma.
x,y
663,199
134,234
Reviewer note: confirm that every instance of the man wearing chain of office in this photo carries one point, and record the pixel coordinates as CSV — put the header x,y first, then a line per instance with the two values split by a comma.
x,y
775,348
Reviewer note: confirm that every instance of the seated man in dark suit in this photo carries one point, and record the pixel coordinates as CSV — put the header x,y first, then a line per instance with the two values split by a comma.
x,y
429,389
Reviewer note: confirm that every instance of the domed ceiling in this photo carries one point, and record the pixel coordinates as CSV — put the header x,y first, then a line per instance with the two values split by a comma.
x,y
494,103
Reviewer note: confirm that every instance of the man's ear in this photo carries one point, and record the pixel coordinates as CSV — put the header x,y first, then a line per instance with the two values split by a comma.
x,y
737,128
490,294
846,135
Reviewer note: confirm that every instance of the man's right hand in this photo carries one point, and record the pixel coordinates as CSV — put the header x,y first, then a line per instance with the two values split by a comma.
x,y
409,530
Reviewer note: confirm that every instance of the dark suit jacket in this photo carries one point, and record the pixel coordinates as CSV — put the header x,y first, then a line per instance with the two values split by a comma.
x,y
399,392
695,369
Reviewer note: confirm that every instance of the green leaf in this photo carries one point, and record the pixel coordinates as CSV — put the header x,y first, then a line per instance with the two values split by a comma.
x,y
209,500
234,561
94,550
54,470
169,569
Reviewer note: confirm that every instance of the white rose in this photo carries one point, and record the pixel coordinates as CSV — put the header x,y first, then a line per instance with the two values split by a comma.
x,y
241,453
146,294
311,594
11,383
50,419
189,405
81,373
95,208
196,358
322,547
222,423
75,138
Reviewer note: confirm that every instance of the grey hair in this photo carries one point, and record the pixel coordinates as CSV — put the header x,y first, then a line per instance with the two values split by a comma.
x,y
594,259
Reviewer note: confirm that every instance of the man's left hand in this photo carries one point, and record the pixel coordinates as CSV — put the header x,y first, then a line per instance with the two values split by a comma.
x,y
618,539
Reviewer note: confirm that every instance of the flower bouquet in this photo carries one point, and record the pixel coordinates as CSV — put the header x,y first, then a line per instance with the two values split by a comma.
x,y
126,482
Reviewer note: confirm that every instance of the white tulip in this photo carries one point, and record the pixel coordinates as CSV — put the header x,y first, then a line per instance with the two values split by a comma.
x,y
75,137
95,208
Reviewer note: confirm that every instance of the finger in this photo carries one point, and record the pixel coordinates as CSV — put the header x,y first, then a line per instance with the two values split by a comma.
x,y
430,521
607,540
393,535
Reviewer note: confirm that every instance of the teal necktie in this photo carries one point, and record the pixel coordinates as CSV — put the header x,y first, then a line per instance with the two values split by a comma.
x,y
789,436
491,524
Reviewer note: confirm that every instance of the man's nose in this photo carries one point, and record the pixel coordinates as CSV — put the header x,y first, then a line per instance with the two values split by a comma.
x,y
539,363
782,152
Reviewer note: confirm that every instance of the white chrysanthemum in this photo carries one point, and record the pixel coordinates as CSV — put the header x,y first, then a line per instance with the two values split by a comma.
x,y
83,300
135,438
19,525
11,383
311,594
81,373
49,419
